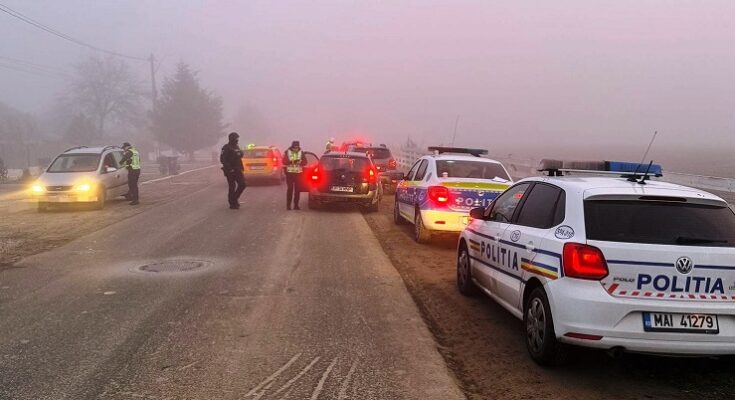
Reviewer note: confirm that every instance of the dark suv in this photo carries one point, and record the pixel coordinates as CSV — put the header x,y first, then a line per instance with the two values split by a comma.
x,y
386,166
345,178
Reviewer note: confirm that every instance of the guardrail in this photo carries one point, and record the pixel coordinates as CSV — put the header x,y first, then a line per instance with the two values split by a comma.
x,y
521,168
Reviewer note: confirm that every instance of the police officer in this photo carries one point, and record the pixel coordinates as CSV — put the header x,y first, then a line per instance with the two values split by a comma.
x,y
131,161
294,162
330,145
231,159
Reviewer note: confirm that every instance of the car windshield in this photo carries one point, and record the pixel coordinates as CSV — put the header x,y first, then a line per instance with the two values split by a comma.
x,y
75,163
658,222
257,153
471,170
344,163
379,153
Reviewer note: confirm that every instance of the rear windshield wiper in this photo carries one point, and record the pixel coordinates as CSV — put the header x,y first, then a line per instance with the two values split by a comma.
x,y
694,240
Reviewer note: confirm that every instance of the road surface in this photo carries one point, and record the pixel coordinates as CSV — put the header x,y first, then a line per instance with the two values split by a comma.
x,y
258,303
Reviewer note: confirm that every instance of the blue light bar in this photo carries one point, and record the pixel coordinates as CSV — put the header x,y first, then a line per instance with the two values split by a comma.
x,y
633,168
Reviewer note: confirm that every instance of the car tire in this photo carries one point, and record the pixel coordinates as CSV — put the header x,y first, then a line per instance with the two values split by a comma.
x,y
42,206
541,340
465,284
420,233
373,207
101,198
397,217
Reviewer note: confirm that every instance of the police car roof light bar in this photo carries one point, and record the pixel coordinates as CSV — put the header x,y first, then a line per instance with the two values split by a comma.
x,y
458,150
619,168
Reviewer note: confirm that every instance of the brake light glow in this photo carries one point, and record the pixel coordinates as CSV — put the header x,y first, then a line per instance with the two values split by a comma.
x,y
315,175
584,262
439,194
370,175
392,163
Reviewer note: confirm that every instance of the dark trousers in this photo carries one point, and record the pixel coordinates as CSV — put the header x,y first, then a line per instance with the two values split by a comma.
x,y
133,176
293,189
236,184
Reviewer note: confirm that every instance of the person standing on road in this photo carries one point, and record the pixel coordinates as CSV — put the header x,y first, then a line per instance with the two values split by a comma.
x,y
131,161
294,162
231,159
330,145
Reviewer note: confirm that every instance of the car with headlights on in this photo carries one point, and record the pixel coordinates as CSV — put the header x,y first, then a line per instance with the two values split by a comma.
x,y
88,175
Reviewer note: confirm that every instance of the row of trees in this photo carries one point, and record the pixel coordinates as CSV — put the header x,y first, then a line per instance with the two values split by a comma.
x,y
106,95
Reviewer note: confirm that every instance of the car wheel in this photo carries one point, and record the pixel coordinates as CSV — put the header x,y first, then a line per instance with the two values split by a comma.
x,y
42,206
464,273
373,207
540,336
101,198
397,217
420,233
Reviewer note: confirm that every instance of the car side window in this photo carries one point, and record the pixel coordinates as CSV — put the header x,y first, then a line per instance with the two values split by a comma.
x,y
539,209
421,172
311,159
118,157
505,205
109,161
412,171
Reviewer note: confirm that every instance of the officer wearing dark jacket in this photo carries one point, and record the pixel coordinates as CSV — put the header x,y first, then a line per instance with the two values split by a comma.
x,y
231,159
293,164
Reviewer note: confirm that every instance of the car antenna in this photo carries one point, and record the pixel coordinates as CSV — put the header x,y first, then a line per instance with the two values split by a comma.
x,y
645,176
633,177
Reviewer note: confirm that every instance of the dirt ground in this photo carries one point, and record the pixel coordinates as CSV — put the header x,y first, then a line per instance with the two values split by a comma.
x,y
483,344
24,231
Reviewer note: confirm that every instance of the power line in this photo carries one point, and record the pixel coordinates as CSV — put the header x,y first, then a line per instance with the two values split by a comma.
x,y
32,72
34,66
62,35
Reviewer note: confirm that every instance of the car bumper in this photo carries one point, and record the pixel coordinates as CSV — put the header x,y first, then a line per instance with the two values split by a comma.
x,y
66,197
584,307
265,174
315,195
444,221
390,177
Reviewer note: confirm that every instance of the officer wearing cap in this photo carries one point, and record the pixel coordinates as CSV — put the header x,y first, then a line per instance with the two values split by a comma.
x,y
231,159
131,161
294,162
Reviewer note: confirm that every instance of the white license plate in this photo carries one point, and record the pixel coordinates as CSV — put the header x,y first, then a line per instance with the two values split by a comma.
x,y
346,189
60,199
257,167
682,323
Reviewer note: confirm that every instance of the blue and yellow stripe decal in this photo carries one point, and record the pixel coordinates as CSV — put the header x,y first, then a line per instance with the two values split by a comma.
x,y
538,268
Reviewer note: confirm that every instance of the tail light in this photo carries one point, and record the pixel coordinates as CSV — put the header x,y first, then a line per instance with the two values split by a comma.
x,y
584,262
275,160
315,176
370,175
392,164
439,194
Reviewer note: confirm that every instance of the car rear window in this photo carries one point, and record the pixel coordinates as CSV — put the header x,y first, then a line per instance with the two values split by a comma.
x,y
379,153
75,163
345,163
471,169
257,153
657,222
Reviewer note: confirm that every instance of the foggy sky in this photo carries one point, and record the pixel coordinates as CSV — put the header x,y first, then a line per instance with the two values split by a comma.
x,y
521,75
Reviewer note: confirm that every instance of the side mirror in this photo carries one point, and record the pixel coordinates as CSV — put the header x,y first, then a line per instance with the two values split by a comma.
x,y
110,169
399,176
477,213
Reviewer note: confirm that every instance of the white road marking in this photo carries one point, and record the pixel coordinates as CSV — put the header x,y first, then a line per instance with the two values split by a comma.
x,y
346,383
274,375
320,385
297,377
111,292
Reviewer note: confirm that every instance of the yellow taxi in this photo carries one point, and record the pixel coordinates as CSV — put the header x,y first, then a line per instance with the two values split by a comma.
x,y
263,162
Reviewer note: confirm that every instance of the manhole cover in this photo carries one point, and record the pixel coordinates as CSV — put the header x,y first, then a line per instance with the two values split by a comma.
x,y
174,266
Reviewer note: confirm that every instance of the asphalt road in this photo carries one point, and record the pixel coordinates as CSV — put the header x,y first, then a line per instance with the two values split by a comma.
x,y
299,305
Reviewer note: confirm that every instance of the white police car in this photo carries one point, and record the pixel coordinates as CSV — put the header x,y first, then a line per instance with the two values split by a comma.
x,y
617,263
438,192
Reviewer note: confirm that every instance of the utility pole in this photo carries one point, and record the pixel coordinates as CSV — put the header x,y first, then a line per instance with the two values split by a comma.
x,y
154,91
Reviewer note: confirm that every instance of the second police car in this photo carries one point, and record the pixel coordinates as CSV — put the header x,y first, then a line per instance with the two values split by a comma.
x,y
618,262
438,192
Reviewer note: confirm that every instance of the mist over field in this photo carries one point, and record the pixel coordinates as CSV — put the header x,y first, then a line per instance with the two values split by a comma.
x,y
573,78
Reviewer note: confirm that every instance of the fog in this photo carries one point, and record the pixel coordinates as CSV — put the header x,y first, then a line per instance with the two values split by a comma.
x,y
572,78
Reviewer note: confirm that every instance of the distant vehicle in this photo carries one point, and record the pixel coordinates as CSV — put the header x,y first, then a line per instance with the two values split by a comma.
x,y
263,163
438,192
618,263
345,177
354,146
386,166
82,175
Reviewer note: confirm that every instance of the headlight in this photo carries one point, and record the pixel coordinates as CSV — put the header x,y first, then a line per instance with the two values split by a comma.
x,y
83,187
37,188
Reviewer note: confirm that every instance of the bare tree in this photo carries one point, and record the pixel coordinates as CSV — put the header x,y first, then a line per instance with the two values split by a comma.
x,y
106,90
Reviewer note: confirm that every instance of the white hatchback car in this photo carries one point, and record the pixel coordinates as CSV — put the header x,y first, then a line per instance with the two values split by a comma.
x,y
82,175
617,263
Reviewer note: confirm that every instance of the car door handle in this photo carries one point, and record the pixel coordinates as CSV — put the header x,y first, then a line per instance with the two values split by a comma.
x,y
530,246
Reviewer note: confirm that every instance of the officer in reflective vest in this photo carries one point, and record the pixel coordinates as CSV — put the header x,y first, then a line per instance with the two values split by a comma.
x,y
330,145
131,161
294,167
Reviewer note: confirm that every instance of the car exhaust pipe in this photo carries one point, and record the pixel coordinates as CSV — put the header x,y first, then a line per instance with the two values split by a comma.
x,y
616,352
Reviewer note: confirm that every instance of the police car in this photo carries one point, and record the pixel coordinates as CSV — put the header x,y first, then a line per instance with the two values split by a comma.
x,y
617,262
438,192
